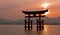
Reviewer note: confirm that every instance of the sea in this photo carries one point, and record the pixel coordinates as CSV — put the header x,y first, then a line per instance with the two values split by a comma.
x,y
19,30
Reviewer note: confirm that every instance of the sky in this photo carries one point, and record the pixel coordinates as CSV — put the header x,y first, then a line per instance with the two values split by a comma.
x,y
12,9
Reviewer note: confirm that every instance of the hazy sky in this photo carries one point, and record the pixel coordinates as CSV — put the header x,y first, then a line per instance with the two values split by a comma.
x,y
12,9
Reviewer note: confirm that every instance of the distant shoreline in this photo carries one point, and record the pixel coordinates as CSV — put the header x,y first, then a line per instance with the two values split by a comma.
x,y
23,24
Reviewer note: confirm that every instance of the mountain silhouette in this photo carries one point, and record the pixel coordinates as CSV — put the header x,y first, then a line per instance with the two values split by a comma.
x,y
21,21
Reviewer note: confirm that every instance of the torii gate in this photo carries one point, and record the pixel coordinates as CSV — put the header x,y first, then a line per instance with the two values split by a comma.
x,y
40,23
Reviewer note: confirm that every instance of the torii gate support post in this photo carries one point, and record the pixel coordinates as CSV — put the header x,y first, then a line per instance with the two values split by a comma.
x,y
39,21
28,23
31,24
42,25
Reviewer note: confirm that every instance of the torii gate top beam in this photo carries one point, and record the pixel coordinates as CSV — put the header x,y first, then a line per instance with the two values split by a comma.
x,y
35,12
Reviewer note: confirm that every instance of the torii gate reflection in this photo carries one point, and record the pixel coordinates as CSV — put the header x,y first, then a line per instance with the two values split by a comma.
x,y
28,22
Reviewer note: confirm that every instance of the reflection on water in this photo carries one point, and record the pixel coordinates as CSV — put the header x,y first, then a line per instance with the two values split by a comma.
x,y
19,30
45,28
51,30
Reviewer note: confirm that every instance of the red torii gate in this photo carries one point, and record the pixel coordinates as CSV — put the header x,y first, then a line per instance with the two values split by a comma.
x,y
40,23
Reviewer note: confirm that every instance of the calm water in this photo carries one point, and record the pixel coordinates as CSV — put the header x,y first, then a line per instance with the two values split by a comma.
x,y
19,30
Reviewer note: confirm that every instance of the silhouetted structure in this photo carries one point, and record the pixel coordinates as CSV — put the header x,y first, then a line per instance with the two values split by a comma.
x,y
28,22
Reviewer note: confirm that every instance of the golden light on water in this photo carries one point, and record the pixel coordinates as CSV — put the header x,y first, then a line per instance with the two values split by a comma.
x,y
45,28
45,5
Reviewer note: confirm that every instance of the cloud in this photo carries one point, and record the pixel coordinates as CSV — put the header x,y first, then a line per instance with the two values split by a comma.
x,y
12,9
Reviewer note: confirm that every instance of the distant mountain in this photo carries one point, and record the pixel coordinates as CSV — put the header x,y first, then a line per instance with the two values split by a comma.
x,y
2,21
52,20
21,21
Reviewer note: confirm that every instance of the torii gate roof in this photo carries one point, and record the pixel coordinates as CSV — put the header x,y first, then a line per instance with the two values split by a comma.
x,y
35,12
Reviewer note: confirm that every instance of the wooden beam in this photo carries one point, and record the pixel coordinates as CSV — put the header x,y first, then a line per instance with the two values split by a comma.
x,y
34,16
35,12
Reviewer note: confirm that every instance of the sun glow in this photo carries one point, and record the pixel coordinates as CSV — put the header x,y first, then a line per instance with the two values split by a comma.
x,y
46,13
45,5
